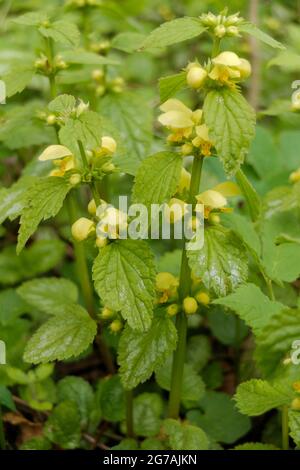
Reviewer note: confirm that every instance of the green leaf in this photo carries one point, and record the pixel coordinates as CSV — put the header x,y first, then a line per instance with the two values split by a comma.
x,y
17,78
252,306
192,386
86,58
253,30
139,355
282,199
157,178
6,399
283,262
183,436
126,444
264,146
294,425
44,199
67,334
79,391
36,443
244,229
255,446
198,351
151,443
49,294
231,122
132,115
128,41
112,399
147,410
222,263
63,32
170,85
276,339
226,327
124,276
11,306
31,18
170,262
62,104
219,418
257,396
63,426
250,194
174,31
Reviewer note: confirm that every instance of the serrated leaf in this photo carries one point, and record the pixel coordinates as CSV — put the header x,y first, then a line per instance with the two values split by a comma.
x,y
257,396
294,424
87,58
255,446
62,104
13,200
44,199
12,306
112,399
222,263
244,229
253,30
231,122
63,426
31,18
192,385
132,115
219,418
282,199
250,194
275,341
63,32
124,275
174,31
139,355
226,327
147,411
252,306
17,78
157,178
170,85
67,334
128,41
49,294
283,262
183,436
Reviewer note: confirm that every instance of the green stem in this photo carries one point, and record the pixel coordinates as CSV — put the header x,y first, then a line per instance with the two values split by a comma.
x,y
93,185
216,47
80,260
181,321
50,56
2,435
285,427
129,413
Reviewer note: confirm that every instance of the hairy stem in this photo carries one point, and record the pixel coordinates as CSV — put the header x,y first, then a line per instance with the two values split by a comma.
x,y
129,413
181,321
93,184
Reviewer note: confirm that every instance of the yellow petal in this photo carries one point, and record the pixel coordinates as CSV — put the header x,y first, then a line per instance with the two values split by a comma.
x,y
212,199
185,180
176,120
109,144
175,105
54,152
228,189
227,58
203,132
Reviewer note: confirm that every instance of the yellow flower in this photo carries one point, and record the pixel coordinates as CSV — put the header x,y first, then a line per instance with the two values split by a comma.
x,y
82,229
295,405
61,157
202,140
108,144
229,66
179,119
107,313
112,221
203,298
172,310
196,75
184,182
116,326
216,198
295,176
92,208
166,285
190,305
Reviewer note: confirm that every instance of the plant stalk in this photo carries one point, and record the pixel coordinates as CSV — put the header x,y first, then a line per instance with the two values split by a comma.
x,y
129,413
181,321
285,427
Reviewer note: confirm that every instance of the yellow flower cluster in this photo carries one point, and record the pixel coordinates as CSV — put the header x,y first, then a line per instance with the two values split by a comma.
x,y
222,25
228,68
186,126
215,200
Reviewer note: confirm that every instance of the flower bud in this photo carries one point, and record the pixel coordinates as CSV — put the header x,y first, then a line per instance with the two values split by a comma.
x,y
92,208
100,90
98,75
108,144
232,31
209,19
244,68
190,305
233,20
184,182
296,386
214,219
82,228
295,405
196,76
75,179
101,242
108,168
172,310
220,31
187,149
107,313
165,281
51,119
116,326
202,298
295,176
